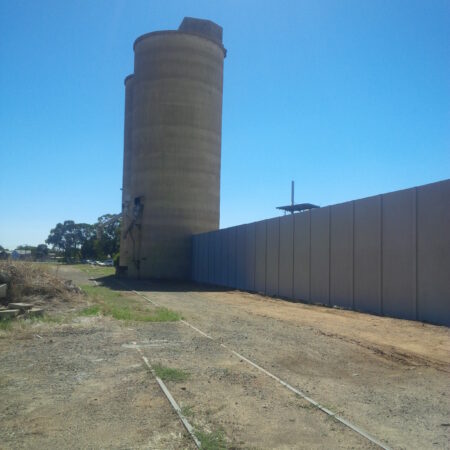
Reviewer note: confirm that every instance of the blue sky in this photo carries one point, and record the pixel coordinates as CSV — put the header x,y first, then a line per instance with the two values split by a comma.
x,y
348,98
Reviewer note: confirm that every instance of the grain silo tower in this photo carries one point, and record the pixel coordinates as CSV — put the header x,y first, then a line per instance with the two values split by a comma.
x,y
172,146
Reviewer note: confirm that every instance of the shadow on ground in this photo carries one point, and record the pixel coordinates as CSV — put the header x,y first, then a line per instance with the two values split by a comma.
x,y
115,283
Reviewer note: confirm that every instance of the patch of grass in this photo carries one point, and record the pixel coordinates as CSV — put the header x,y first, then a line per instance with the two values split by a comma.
x,y
5,324
96,271
93,310
46,319
127,308
212,441
170,374
306,406
101,293
21,323
157,315
187,411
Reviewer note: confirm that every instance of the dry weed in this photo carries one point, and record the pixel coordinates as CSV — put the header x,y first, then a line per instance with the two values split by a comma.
x,y
29,279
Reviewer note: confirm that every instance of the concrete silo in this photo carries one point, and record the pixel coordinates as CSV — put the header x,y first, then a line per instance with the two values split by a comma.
x,y
172,147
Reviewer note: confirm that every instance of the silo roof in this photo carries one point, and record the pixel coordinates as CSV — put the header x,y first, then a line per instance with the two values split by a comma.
x,y
205,29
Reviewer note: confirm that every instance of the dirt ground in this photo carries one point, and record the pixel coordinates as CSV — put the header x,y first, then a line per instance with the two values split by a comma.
x,y
84,384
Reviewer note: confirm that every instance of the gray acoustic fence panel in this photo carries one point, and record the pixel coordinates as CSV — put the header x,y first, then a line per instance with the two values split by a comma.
x,y
388,254
250,255
211,257
320,255
273,255
216,258
260,256
223,243
195,264
368,255
240,256
341,255
302,253
204,258
224,253
199,259
286,269
399,254
231,282
433,230
198,262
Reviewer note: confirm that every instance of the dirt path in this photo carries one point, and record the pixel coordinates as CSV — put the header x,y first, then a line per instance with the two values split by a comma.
x,y
388,376
84,385
76,386
222,392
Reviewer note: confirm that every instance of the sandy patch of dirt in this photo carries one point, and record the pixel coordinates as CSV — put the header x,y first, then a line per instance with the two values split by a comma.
x,y
84,384
75,386
411,342
388,376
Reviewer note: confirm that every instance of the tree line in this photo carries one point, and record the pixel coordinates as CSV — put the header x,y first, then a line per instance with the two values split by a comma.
x,y
38,253
76,241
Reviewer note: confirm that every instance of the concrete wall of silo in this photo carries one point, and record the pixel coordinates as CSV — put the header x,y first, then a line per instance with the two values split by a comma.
x,y
175,143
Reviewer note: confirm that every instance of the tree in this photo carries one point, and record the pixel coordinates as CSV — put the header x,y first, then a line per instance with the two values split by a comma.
x,y
106,241
69,237
41,251
96,241
109,236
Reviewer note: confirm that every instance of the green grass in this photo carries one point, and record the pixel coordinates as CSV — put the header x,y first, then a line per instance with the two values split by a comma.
x,y
93,310
102,293
21,323
170,374
6,324
157,315
96,271
211,441
125,307
214,440
187,411
45,318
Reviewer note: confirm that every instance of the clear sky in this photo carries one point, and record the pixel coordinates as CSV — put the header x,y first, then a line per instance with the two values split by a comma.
x,y
349,98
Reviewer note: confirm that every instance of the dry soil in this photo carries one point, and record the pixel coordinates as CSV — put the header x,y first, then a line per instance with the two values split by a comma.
x,y
84,384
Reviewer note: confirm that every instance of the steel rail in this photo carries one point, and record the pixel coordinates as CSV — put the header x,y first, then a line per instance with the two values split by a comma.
x,y
316,404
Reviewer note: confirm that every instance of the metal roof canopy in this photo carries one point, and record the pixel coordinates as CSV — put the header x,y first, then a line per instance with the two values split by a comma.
x,y
298,207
